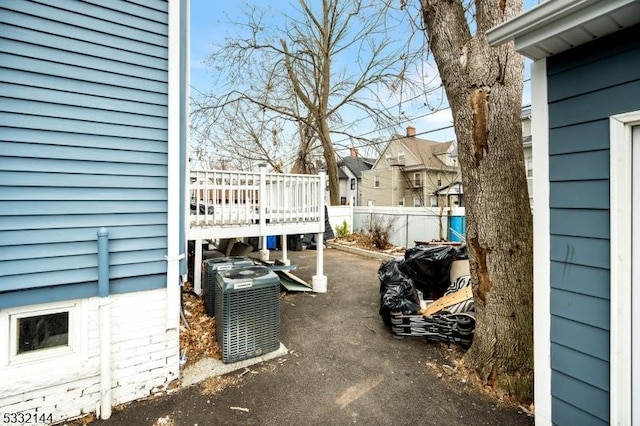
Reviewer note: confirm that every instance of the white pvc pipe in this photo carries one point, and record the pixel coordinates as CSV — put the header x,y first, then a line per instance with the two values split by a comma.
x,y
105,357
105,323
173,168
197,268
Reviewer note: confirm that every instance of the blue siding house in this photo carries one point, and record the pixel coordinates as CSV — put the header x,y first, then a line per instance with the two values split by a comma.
x,y
92,164
586,128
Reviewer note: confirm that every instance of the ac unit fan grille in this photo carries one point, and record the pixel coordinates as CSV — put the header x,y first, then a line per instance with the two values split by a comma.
x,y
248,322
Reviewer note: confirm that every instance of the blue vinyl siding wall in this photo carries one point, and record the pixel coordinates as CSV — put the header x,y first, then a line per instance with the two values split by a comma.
x,y
83,144
585,86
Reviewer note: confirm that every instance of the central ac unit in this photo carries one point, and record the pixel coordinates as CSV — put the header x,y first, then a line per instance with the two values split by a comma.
x,y
247,312
213,267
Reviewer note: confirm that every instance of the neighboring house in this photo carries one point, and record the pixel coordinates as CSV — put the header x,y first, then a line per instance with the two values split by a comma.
x,y
451,195
409,172
350,175
586,127
455,190
92,141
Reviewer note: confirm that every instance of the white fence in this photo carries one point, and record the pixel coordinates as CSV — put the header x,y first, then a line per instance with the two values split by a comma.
x,y
338,215
408,224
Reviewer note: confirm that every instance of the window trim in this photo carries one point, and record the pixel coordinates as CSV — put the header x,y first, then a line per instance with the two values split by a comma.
x,y
622,237
417,179
376,181
529,167
77,332
39,317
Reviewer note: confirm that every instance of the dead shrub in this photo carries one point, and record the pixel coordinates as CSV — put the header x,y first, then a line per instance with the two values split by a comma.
x,y
379,229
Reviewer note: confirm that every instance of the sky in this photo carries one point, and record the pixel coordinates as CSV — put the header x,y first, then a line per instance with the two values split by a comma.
x,y
209,25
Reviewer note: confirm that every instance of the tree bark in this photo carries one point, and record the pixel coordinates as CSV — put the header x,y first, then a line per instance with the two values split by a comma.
x,y
484,89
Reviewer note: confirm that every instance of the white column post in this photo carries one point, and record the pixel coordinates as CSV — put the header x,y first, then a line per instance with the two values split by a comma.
x,y
285,261
319,281
263,200
541,243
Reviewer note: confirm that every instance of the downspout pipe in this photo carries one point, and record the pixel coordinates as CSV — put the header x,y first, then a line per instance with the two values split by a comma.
x,y
174,127
105,323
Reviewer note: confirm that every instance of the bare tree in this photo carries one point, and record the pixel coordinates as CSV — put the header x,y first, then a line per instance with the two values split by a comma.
x,y
484,88
333,57
250,137
303,162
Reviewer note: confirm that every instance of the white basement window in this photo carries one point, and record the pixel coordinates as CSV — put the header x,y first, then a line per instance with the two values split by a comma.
x,y
43,332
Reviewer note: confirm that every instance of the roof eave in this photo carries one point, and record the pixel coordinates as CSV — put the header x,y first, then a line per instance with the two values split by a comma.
x,y
548,20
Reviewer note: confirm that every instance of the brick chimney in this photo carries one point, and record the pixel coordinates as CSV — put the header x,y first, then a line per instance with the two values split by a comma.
x,y
411,132
353,152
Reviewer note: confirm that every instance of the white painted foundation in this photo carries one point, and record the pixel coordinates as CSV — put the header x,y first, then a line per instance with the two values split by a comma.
x,y
144,359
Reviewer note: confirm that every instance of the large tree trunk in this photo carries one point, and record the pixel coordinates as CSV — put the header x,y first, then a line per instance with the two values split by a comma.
x,y
303,163
331,162
484,88
322,122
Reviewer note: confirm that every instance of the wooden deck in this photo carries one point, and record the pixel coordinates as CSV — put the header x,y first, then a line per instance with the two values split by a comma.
x,y
235,204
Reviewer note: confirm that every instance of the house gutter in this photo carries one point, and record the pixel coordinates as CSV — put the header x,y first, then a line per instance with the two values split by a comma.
x,y
549,19
105,323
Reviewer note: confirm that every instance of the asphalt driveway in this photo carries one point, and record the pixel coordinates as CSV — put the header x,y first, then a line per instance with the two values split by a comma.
x,y
343,367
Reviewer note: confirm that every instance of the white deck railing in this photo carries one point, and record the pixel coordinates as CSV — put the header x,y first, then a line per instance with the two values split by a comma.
x,y
234,204
222,198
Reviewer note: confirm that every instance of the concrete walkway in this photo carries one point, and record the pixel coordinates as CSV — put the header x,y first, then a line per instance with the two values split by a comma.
x,y
343,366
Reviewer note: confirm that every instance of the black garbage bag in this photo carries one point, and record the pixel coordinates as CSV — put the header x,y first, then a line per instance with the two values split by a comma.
x,y
397,291
309,240
429,267
462,253
328,229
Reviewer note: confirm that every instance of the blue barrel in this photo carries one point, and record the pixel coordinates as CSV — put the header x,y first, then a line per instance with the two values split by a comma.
x,y
457,228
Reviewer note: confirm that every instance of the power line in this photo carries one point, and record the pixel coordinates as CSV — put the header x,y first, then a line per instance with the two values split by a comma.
x,y
409,119
396,105
399,122
450,126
